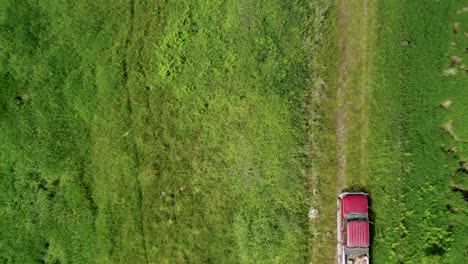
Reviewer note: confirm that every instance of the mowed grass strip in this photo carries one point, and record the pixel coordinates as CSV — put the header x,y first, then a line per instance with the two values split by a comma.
x,y
416,188
357,54
153,132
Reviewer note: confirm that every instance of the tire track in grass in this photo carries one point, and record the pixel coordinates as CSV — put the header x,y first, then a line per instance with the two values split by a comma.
x,y
126,64
354,27
343,60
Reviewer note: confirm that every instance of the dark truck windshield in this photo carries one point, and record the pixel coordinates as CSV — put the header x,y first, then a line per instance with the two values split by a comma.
x,y
354,217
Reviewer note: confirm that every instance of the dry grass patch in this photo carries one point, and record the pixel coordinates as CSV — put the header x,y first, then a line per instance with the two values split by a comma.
x,y
446,104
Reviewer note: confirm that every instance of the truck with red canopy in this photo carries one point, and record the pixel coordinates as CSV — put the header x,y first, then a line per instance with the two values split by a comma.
x,y
353,228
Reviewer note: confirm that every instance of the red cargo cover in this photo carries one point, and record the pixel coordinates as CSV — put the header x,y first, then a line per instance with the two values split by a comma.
x,y
354,204
358,234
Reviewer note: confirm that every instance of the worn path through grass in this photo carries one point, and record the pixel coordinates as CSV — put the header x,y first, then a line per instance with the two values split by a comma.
x,y
353,80
342,159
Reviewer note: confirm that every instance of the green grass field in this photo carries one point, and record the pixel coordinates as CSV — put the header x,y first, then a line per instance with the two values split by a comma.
x,y
203,131
153,132
416,187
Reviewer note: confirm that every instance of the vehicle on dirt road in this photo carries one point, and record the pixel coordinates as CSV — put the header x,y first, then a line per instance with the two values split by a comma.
x,y
353,228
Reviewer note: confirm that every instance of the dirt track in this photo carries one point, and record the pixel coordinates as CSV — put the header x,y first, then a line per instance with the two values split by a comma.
x,y
340,90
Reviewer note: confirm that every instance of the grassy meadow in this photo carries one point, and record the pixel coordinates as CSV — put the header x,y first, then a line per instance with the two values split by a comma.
x,y
203,131
154,131
418,191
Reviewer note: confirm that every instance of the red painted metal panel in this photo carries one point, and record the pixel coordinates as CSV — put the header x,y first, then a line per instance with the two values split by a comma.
x,y
358,234
354,204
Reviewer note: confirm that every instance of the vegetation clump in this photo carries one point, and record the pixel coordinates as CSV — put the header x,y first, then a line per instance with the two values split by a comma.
x,y
450,72
456,27
446,104
448,128
454,60
464,166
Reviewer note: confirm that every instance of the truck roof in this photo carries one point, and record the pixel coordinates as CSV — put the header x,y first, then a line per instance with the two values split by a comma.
x,y
358,234
354,204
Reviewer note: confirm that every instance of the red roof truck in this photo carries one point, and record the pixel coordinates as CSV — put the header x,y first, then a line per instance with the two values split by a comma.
x,y
353,228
